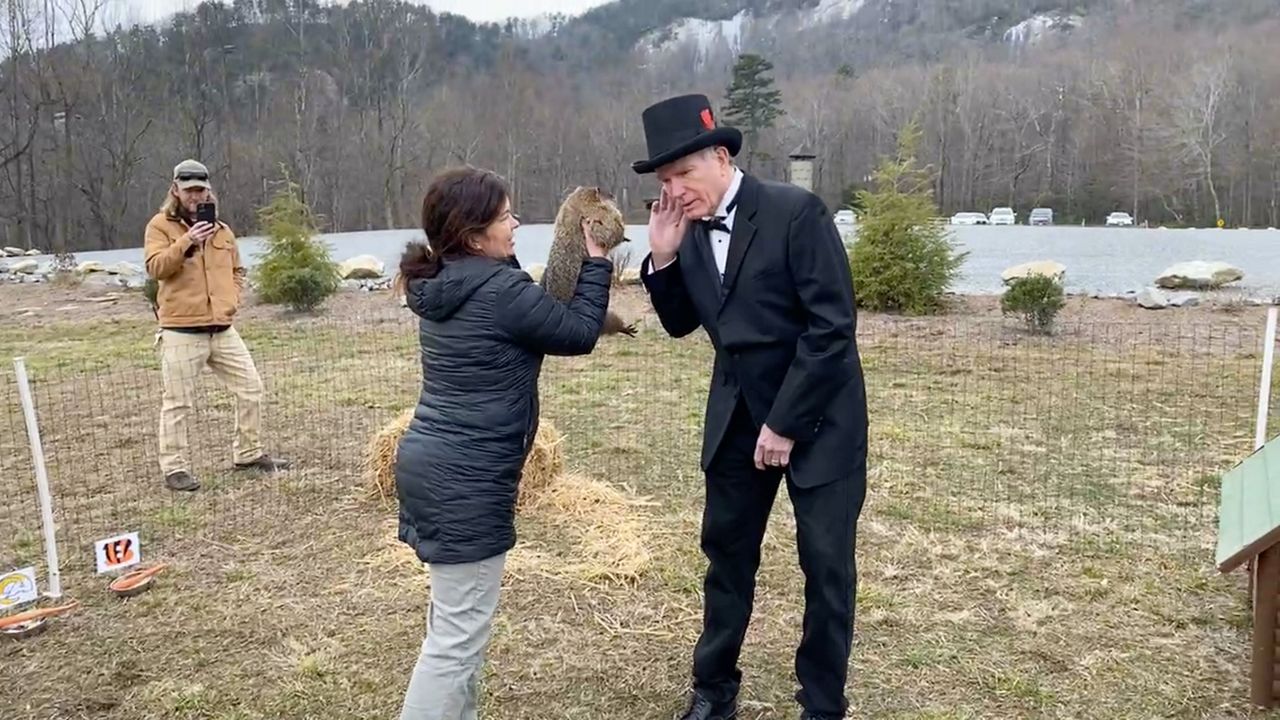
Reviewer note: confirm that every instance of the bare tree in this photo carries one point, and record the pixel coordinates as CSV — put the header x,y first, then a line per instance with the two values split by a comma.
x,y
1192,125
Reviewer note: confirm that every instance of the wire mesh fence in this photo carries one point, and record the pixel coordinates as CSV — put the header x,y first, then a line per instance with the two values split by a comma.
x,y
1106,432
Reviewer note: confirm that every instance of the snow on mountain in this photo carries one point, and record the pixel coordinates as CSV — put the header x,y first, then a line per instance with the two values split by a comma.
x,y
829,10
705,35
1034,29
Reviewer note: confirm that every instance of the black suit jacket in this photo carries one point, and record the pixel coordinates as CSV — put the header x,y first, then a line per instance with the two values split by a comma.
x,y
782,324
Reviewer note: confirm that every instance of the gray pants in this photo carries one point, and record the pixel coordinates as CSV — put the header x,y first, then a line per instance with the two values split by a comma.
x,y
463,600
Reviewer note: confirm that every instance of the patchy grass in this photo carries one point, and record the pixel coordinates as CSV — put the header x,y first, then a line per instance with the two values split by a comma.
x,y
1037,540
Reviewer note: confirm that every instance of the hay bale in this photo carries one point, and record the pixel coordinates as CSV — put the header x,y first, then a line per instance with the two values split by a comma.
x,y
611,538
380,456
545,463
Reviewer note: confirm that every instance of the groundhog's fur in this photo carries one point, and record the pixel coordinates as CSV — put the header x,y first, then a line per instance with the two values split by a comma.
x,y
569,248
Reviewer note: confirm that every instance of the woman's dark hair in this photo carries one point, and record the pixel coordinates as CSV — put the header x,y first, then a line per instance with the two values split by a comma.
x,y
459,203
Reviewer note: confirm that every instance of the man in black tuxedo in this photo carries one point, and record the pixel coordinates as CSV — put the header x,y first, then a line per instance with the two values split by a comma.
x,y
761,267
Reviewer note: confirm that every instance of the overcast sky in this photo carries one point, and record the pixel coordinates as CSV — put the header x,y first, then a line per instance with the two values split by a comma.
x,y
147,10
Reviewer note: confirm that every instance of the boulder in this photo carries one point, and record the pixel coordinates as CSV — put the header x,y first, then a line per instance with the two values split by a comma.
x,y
90,266
361,267
368,285
1153,299
536,271
631,276
24,267
1199,275
126,269
12,251
33,252
1048,268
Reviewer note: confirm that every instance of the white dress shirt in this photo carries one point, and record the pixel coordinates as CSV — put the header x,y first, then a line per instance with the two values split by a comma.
x,y
720,238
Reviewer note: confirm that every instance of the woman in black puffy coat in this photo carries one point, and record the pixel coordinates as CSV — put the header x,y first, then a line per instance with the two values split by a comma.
x,y
484,329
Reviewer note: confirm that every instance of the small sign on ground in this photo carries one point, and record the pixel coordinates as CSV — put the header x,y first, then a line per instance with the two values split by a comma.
x,y
18,588
118,552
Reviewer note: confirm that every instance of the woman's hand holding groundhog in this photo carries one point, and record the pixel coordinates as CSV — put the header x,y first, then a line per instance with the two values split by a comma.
x,y
593,248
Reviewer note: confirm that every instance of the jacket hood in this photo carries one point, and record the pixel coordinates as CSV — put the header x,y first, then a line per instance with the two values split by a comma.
x,y
438,298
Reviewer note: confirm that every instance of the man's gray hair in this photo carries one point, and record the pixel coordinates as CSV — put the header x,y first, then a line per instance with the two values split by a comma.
x,y
707,151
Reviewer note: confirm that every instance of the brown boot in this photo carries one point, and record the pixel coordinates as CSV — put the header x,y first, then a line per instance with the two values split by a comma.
x,y
181,480
265,463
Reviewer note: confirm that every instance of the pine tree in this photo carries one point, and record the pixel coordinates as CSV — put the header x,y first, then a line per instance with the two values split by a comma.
x,y
752,103
903,259
296,270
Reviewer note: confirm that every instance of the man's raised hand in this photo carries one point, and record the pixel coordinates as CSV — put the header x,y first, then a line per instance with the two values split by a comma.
x,y
667,225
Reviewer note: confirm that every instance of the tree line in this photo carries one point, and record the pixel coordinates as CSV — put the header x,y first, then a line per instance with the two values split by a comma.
x,y
361,104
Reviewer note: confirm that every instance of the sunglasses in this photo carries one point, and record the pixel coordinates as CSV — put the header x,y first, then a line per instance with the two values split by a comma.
x,y
183,177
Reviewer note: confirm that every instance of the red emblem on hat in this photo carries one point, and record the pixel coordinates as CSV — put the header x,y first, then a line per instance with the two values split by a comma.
x,y
707,121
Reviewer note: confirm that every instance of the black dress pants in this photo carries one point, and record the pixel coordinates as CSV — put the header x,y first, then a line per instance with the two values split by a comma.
x,y
738,501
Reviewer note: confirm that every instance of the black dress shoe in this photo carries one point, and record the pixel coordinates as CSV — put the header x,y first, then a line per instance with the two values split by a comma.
x,y
703,708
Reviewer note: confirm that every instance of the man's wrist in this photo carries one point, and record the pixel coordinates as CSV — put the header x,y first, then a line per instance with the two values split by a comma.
x,y
660,261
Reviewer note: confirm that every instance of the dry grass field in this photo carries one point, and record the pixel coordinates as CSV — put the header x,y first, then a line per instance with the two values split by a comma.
x,y
1037,541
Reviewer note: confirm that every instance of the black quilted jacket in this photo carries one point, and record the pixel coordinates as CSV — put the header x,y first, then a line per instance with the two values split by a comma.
x,y
485,327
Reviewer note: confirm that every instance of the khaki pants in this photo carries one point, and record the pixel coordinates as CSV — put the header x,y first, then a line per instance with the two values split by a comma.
x,y
182,357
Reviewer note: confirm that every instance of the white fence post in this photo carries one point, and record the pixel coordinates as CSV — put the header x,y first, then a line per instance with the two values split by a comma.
x,y
42,479
1264,389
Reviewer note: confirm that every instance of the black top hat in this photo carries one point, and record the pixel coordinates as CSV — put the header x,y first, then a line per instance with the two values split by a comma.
x,y
681,126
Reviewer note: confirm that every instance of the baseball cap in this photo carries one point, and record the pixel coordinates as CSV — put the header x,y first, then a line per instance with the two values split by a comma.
x,y
190,174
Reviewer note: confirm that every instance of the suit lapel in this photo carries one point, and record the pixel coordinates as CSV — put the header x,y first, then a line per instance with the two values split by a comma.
x,y
744,231
700,239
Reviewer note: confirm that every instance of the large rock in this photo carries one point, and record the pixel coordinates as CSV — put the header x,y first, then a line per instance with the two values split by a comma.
x,y
126,269
1048,268
13,251
536,271
33,252
1153,299
90,266
24,267
1199,275
631,276
361,267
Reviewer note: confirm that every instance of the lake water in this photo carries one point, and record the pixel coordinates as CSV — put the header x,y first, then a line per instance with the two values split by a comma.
x,y
1105,261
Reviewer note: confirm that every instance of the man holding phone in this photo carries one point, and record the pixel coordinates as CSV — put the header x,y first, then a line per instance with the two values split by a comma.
x,y
194,259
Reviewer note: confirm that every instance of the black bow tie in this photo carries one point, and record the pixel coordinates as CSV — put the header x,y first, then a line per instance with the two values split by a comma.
x,y
717,222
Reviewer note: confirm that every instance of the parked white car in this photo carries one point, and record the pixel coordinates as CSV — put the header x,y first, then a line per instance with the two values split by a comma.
x,y
1003,216
1120,219
969,218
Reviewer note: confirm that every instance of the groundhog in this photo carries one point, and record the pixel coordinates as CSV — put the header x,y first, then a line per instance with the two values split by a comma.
x,y
569,248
